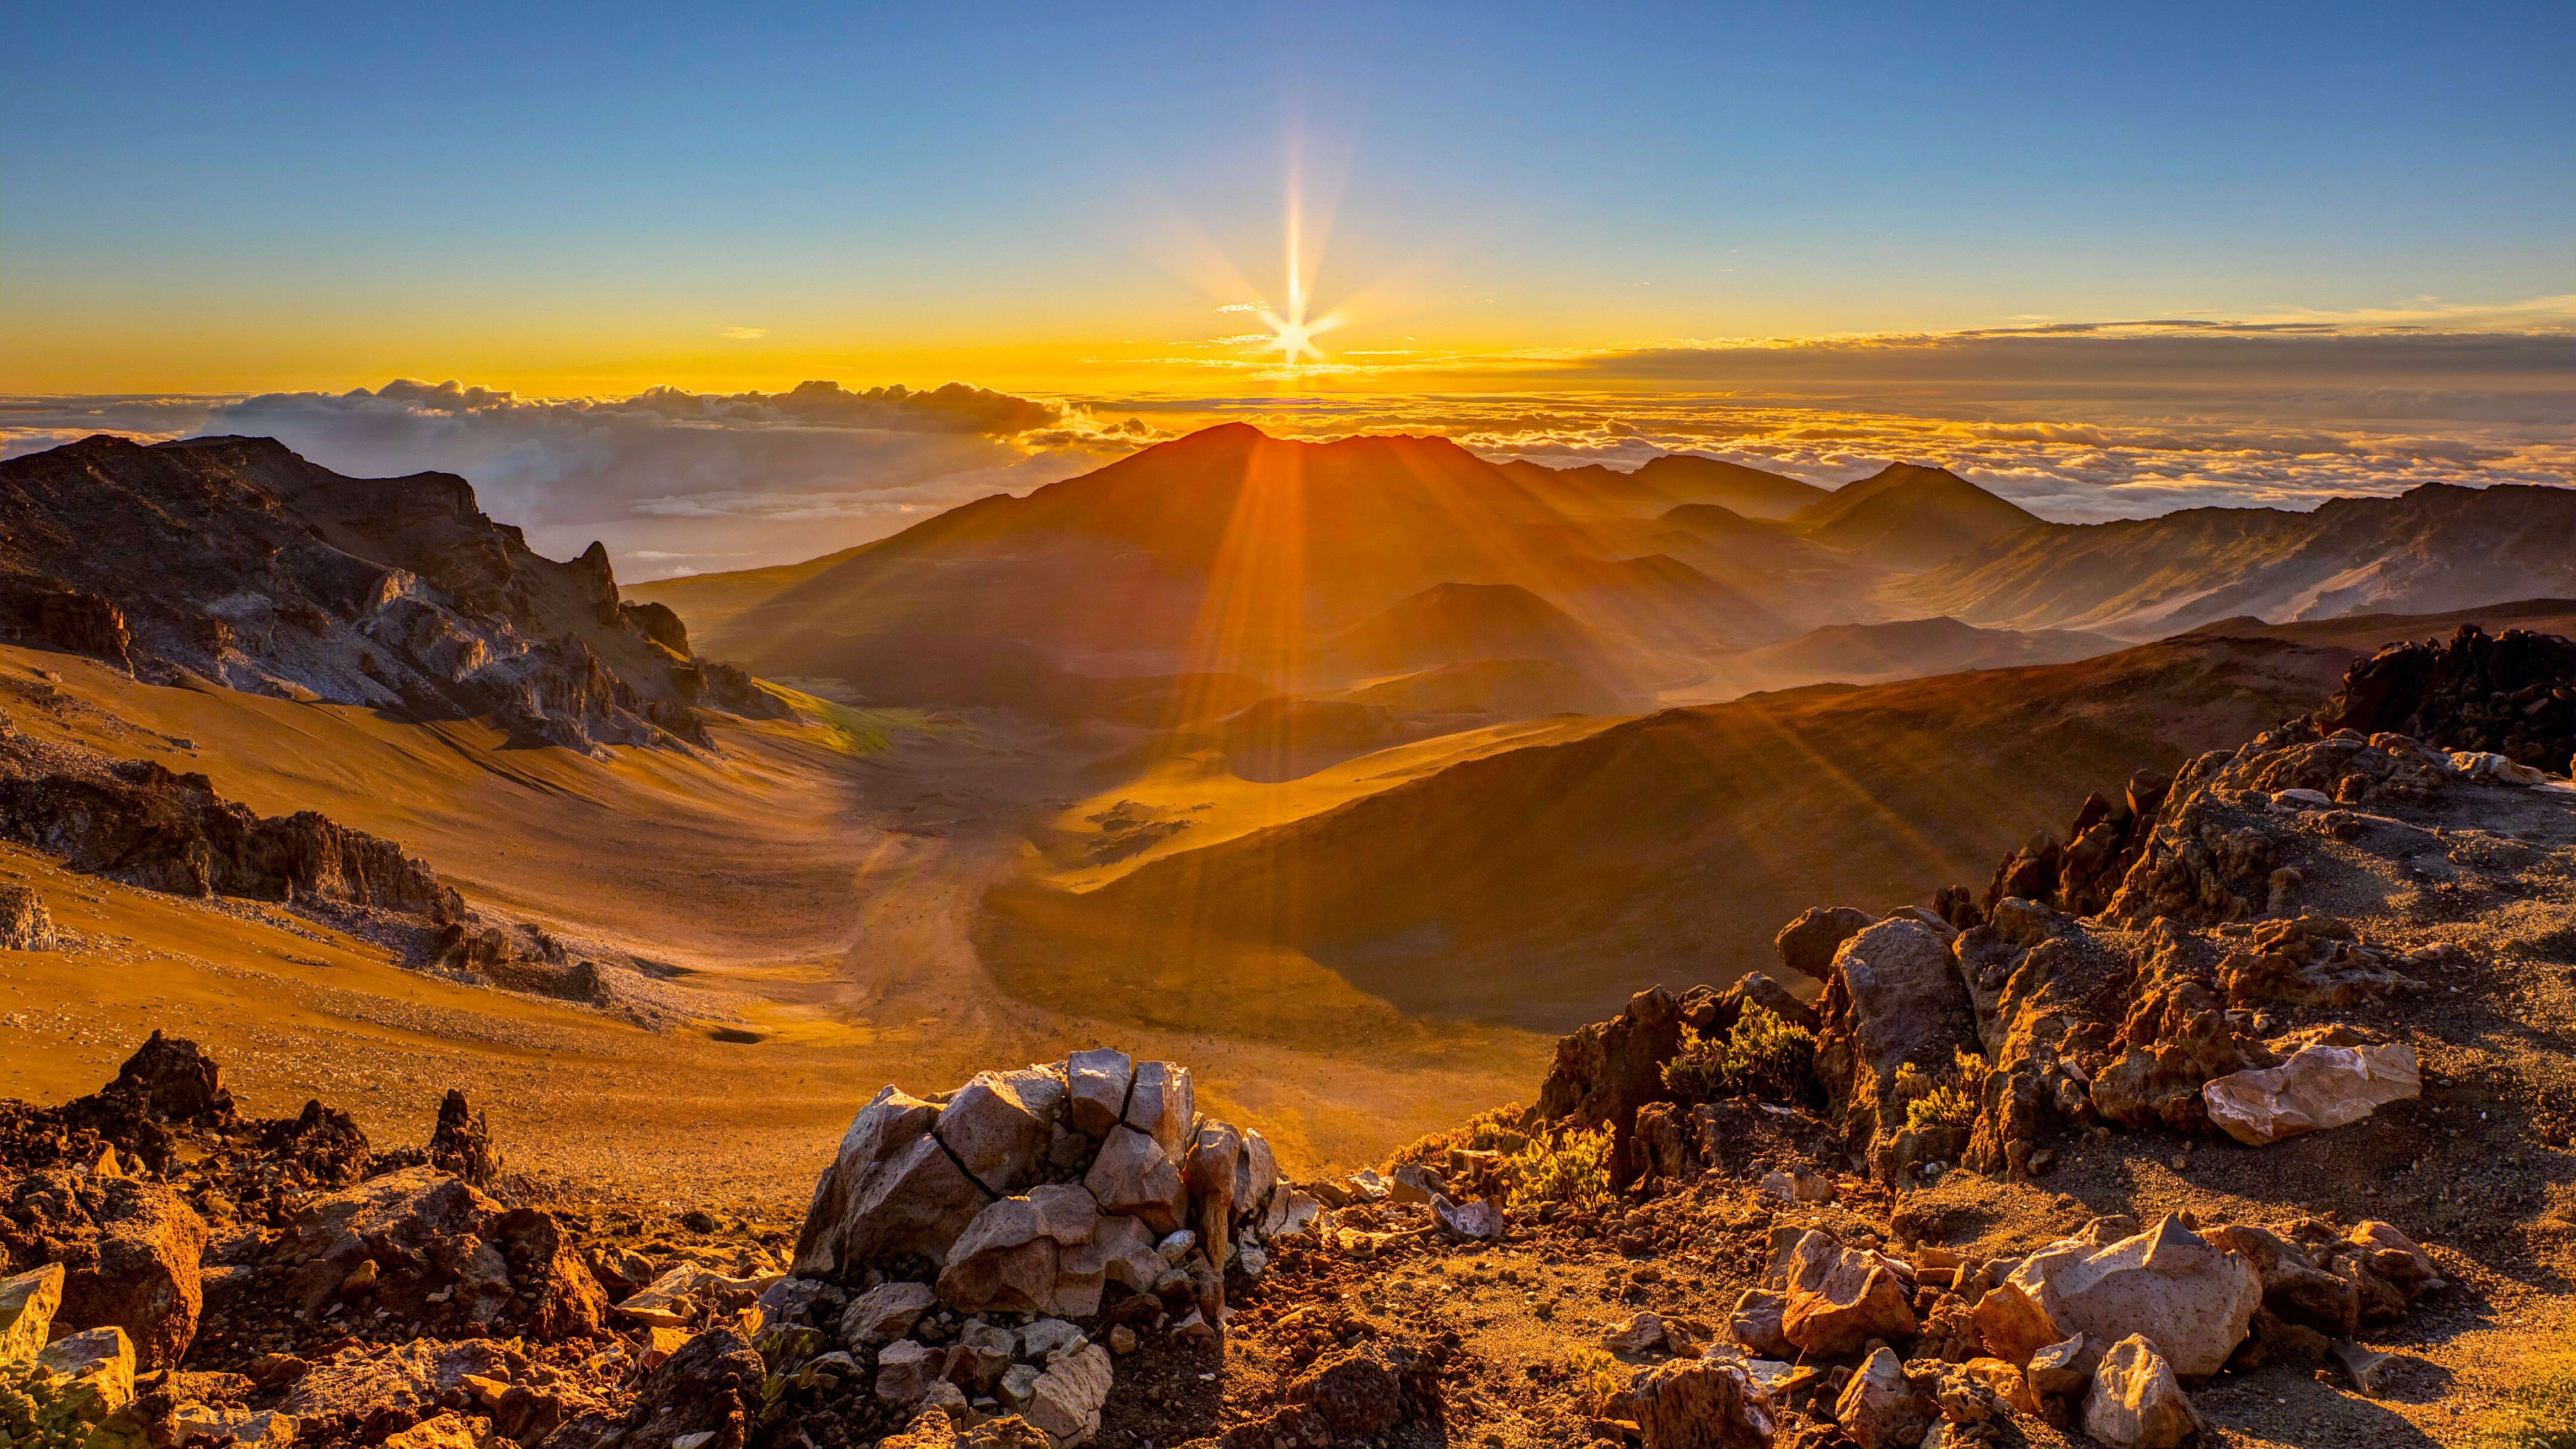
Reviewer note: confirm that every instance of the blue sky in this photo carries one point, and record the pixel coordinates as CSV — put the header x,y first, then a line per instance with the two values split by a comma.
x,y
258,196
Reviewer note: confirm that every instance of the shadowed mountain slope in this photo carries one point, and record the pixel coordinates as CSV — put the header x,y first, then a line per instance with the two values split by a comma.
x,y
2429,550
1905,649
1545,884
235,560
1907,516
1665,482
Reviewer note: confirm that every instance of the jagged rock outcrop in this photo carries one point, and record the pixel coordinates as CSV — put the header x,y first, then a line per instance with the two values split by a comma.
x,y
2513,694
138,822
129,1250
1893,999
25,924
429,1248
1604,1072
236,560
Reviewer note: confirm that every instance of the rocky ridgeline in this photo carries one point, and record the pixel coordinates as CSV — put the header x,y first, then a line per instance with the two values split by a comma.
x,y
235,560
139,822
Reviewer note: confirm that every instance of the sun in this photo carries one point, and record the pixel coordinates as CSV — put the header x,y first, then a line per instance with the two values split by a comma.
x,y
1291,333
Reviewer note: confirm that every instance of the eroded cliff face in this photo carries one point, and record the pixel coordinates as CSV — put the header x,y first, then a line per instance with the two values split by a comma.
x,y
238,561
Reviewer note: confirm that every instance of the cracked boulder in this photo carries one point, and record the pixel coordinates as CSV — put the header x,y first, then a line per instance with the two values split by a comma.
x,y
891,1189
999,1126
1033,1254
2190,1299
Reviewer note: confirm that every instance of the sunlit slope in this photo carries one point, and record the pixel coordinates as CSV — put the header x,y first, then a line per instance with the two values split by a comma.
x,y
1543,884
711,862
709,603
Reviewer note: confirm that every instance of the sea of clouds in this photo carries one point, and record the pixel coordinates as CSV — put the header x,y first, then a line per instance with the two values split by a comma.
x,y
2075,424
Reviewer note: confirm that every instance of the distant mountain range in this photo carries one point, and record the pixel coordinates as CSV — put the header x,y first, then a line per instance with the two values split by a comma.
x,y
1309,568
2431,549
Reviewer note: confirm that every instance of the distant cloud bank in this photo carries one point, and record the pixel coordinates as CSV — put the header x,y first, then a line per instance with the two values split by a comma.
x,y
2078,421
676,481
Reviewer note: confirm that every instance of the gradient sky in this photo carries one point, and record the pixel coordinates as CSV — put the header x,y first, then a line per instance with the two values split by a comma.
x,y
572,199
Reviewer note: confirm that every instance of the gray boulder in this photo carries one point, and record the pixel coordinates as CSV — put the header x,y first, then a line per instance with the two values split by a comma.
x,y
891,1189
999,1125
1098,1083
1132,1175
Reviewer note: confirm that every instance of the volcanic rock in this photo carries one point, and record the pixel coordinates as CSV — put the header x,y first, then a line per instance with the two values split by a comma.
x,y
391,593
1700,1404
2136,1402
1065,1401
1879,1408
25,924
1892,997
1808,944
1840,1298
2191,1300
442,1253
130,1251
2319,1087
891,1189
1131,1175
1028,1254
461,1144
28,1302
998,1125
1098,1081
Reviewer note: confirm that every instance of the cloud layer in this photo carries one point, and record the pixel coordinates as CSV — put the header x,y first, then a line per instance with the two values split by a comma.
x,y
2077,422
676,482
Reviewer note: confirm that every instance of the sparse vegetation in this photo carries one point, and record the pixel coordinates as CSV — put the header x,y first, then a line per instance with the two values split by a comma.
x,y
1594,1376
1498,1130
2540,1411
858,730
1570,1169
1764,1056
1943,1100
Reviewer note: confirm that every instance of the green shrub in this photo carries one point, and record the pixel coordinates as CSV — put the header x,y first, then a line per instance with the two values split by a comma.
x,y
1763,1056
1594,1376
1944,1099
1572,1169
1497,1130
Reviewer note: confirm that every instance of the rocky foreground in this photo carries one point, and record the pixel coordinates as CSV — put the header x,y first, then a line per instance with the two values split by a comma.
x,y
2220,1121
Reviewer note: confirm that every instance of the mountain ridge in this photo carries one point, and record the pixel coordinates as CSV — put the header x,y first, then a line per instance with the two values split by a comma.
x,y
2434,548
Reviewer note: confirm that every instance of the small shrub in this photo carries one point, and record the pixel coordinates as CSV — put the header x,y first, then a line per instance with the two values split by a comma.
x,y
1764,1056
1594,1376
1495,1131
1571,1170
1945,1099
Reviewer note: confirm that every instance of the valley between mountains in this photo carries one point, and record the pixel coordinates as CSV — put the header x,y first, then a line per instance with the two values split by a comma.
x,y
1352,772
